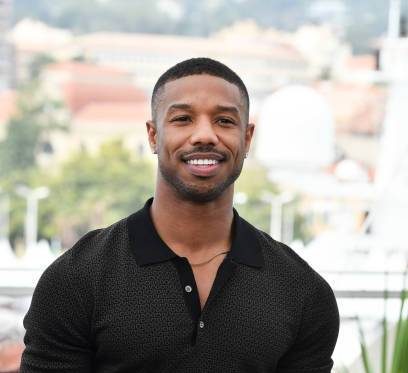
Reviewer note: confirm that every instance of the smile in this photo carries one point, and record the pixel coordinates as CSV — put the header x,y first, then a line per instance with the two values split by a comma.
x,y
202,162
203,167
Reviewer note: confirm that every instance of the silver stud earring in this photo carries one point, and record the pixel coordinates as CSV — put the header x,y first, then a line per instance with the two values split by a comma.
x,y
246,155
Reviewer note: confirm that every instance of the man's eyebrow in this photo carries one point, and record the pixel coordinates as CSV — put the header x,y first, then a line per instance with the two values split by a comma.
x,y
231,109
218,108
179,107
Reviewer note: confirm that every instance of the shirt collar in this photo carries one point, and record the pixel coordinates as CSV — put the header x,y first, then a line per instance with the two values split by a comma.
x,y
149,248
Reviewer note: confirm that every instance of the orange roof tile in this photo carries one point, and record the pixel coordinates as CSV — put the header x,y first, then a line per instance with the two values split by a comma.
x,y
78,95
361,62
81,68
10,356
111,112
85,83
7,105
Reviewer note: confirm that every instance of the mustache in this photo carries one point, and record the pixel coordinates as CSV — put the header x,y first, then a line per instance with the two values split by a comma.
x,y
204,149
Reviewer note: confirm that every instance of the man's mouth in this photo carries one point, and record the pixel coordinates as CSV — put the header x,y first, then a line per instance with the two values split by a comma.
x,y
203,165
202,162
203,158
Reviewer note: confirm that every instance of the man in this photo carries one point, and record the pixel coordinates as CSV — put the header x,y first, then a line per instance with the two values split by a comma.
x,y
185,284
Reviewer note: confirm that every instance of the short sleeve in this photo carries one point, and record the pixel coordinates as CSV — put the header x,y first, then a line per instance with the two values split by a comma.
x,y
57,325
317,336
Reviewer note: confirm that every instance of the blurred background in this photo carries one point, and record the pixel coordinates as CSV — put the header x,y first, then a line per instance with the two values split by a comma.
x,y
327,173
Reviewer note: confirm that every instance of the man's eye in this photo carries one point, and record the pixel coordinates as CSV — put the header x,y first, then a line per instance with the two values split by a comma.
x,y
225,121
183,118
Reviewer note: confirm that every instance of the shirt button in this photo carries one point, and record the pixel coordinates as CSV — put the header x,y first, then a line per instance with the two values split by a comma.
x,y
188,289
201,324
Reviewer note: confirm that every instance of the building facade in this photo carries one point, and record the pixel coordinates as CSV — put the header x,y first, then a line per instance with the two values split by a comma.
x,y
6,52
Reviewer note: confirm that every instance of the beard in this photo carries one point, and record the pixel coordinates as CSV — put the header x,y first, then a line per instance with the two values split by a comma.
x,y
195,192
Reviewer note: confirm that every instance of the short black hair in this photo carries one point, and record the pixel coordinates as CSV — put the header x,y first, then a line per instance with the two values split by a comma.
x,y
198,66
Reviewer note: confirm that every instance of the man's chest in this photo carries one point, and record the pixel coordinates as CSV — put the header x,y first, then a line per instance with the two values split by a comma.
x,y
204,277
150,321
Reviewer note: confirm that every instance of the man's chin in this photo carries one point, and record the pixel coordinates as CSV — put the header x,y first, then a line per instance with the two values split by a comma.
x,y
200,192
198,195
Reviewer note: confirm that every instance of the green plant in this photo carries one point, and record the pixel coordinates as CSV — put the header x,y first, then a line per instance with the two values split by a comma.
x,y
399,352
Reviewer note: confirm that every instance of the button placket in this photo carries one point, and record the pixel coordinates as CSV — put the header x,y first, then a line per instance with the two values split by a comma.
x,y
190,294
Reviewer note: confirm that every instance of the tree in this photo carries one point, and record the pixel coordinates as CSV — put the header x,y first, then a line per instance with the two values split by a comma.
x,y
36,117
95,190
26,132
256,186
363,20
38,63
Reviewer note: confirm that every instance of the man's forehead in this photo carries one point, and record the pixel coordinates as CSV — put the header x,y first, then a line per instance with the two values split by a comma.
x,y
187,90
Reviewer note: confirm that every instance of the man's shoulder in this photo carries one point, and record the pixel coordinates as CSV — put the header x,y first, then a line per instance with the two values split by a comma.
x,y
96,246
76,273
100,243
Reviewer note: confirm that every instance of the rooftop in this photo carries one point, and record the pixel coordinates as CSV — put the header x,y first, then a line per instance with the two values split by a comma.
x,y
81,84
7,105
111,112
83,68
161,44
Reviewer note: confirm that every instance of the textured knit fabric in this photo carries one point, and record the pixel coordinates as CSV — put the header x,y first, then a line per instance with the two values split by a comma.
x,y
97,308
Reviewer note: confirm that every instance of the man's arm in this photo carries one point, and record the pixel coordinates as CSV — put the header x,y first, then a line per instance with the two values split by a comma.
x,y
317,335
57,325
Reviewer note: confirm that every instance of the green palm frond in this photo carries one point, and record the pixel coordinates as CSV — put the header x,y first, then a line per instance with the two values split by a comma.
x,y
399,357
384,341
363,347
400,335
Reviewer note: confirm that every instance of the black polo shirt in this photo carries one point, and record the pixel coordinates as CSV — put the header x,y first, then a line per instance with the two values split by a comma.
x,y
121,301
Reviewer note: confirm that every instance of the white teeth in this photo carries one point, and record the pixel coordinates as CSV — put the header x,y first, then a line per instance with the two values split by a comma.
x,y
202,162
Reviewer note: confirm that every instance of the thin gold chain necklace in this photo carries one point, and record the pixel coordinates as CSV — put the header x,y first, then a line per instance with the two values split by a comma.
x,y
208,261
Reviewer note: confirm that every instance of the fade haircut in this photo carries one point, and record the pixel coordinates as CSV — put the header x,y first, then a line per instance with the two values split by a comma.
x,y
198,66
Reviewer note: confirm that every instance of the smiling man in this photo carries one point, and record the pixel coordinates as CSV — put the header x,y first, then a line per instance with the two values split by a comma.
x,y
185,284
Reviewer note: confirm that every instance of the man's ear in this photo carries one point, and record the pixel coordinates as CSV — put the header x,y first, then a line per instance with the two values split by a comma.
x,y
249,132
152,135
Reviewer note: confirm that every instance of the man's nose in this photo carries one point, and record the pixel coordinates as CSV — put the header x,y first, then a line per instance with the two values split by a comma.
x,y
204,132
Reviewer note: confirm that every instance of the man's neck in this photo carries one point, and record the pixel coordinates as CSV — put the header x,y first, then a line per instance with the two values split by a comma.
x,y
193,230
